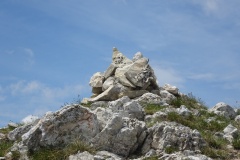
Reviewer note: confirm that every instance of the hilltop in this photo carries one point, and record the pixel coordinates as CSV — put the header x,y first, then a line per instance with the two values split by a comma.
x,y
128,116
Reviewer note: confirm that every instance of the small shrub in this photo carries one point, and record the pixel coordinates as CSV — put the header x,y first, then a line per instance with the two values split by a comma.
x,y
236,143
189,101
171,149
215,154
4,147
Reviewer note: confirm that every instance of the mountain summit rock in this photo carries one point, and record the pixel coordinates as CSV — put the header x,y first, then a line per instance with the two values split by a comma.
x,y
128,117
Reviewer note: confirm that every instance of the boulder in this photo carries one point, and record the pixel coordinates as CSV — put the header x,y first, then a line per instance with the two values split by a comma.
x,y
223,109
97,80
127,108
62,127
171,134
82,156
110,71
166,96
230,132
171,89
123,78
100,155
183,110
121,135
119,60
141,74
137,56
150,98
237,118
186,155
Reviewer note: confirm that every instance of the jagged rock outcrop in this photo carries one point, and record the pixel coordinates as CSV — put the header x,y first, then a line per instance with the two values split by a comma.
x,y
121,135
170,134
224,109
129,117
124,77
61,128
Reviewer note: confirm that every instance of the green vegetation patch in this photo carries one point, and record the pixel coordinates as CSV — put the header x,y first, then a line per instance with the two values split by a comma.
x,y
152,108
5,145
61,153
190,101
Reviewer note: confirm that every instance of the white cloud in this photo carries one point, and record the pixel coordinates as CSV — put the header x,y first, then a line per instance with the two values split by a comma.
x,y
29,119
42,90
168,75
203,76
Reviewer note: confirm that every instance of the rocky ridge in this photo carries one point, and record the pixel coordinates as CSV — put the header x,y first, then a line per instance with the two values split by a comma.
x,y
128,117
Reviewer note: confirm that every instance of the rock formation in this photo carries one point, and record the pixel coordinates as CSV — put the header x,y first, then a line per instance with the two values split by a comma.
x,y
124,77
129,117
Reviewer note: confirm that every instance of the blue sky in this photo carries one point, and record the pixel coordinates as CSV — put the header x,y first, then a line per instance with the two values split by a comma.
x,y
50,49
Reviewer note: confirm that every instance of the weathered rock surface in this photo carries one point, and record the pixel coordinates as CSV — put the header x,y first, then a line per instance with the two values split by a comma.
x,y
223,109
62,127
171,89
171,134
230,132
186,155
121,135
101,155
124,77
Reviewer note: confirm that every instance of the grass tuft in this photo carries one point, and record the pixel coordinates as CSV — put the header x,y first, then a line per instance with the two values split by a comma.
x,y
61,153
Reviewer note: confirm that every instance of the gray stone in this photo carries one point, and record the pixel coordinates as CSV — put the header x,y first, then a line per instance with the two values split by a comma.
x,y
62,127
166,96
137,56
110,71
96,80
150,98
133,93
140,73
237,118
119,60
230,132
108,83
121,136
167,134
82,156
171,89
97,90
223,109
183,111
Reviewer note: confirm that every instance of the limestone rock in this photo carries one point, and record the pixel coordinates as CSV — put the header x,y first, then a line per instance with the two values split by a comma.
x,y
132,93
230,132
96,80
137,56
186,155
121,135
150,98
17,133
183,111
62,127
100,155
166,96
119,60
171,89
82,156
110,81
141,74
110,71
171,134
223,109
237,118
